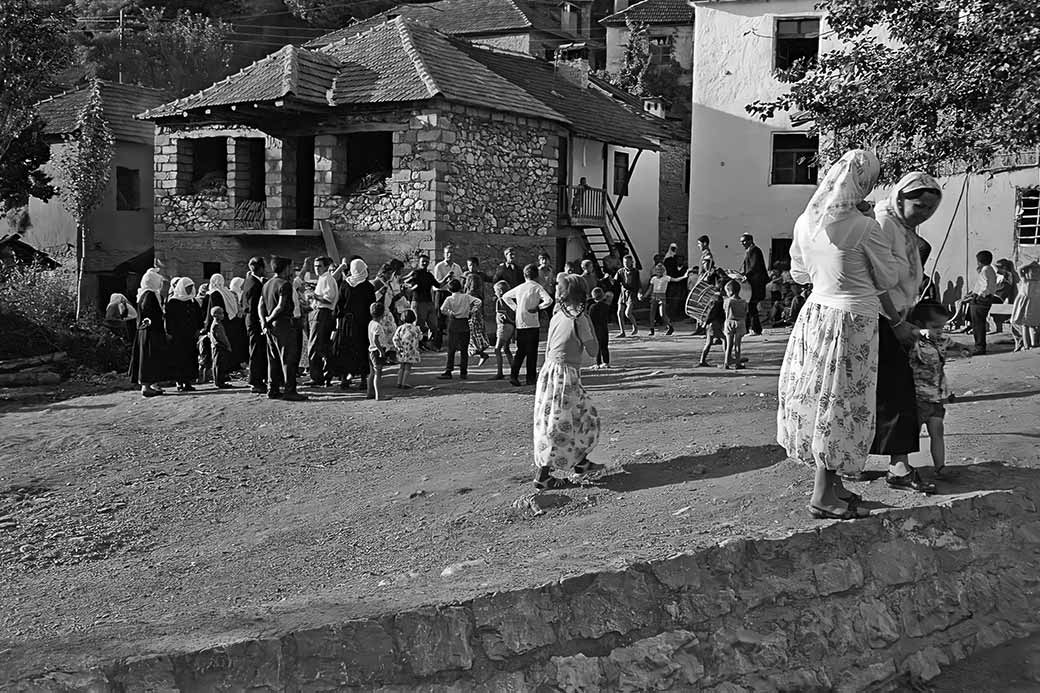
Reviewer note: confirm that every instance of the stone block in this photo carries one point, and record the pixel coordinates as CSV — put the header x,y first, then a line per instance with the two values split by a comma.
x,y
837,576
925,664
861,678
353,654
511,623
900,562
255,664
877,624
576,674
434,639
611,603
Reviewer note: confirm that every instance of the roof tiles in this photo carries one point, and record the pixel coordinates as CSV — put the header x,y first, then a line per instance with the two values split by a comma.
x,y
119,103
653,12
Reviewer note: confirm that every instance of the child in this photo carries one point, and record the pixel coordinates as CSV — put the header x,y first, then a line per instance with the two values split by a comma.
x,y
474,286
221,348
627,279
928,361
657,290
378,345
599,314
205,356
734,328
505,327
715,319
406,342
800,296
458,307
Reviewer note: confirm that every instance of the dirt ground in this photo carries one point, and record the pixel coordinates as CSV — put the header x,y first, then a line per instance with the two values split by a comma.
x,y
130,525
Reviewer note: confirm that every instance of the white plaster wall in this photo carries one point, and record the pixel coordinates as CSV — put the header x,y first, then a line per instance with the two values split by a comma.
x,y
586,161
639,209
730,192
617,40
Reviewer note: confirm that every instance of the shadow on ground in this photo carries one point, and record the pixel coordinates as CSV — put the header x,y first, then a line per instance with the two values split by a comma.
x,y
678,470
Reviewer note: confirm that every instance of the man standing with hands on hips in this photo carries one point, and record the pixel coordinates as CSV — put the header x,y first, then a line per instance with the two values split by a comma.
x,y
526,300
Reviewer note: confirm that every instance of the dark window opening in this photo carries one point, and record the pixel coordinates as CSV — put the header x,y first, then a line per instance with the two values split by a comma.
x,y
620,173
257,170
209,165
209,269
128,189
780,251
369,160
661,48
796,39
794,159
569,18
1027,217
304,182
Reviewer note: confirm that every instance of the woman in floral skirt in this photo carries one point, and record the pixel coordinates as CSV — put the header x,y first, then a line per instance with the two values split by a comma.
x,y
566,424
828,379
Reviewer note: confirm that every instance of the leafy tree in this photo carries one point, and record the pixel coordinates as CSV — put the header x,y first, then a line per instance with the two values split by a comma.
x,y
636,62
955,84
20,173
339,12
84,165
34,46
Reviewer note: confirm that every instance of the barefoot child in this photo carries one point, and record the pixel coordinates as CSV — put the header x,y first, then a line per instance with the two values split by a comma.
x,y
378,345
715,320
734,329
406,342
928,361
505,327
221,348
629,285
599,314
657,290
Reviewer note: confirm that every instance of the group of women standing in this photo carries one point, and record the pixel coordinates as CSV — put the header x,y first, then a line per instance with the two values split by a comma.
x,y
846,386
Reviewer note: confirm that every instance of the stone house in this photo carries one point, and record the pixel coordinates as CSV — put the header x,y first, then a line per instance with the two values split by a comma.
x,y
540,29
118,246
669,26
397,140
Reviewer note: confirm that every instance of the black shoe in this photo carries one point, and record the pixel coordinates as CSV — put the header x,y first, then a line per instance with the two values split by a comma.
x,y
977,351
463,376
294,397
258,390
514,382
531,383
910,482
274,394
225,386
444,376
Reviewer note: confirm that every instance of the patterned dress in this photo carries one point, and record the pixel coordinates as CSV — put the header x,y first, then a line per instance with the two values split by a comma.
x,y
406,343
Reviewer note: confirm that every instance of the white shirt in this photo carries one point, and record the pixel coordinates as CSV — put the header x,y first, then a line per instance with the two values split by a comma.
x,y
986,282
523,298
326,293
848,269
443,268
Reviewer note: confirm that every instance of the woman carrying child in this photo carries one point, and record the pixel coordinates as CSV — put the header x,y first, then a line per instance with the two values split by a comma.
x,y
566,424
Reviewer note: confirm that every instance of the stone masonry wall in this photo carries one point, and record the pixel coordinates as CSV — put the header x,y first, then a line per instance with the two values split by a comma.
x,y
850,606
674,204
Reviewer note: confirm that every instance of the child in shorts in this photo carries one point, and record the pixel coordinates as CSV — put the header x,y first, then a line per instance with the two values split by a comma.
x,y
629,285
657,291
714,321
928,361
378,345
505,327
734,328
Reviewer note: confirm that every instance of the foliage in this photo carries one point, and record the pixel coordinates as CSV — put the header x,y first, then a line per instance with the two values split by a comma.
x,y
180,54
636,61
20,173
84,162
955,84
34,46
640,77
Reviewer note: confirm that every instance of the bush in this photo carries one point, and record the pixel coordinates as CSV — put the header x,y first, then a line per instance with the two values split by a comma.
x,y
38,315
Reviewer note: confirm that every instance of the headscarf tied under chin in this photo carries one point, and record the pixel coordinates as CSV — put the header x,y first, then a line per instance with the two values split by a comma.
x,y
846,184
911,182
216,284
358,272
173,286
183,289
151,281
236,287
121,300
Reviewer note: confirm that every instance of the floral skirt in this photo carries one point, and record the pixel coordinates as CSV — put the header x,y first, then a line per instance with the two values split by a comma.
x,y
478,341
827,389
566,424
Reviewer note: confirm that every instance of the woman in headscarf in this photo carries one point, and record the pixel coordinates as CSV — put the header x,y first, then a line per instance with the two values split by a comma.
x,y
147,366
120,317
183,322
825,417
220,295
236,327
350,340
912,201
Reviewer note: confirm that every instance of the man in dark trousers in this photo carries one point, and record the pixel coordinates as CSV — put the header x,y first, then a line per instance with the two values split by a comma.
x,y
509,272
251,289
526,300
276,317
756,274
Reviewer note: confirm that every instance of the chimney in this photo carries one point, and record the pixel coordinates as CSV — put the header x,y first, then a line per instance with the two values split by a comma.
x,y
654,105
620,5
574,71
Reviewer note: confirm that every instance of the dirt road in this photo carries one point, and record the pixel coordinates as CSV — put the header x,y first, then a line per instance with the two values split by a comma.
x,y
131,525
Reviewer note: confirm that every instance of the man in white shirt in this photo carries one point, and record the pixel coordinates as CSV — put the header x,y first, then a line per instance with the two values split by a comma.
x,y
981,299
444,271
526,300
322,322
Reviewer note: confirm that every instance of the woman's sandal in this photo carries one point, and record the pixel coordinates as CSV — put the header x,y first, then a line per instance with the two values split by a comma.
x,y
850,513
586,467
910,482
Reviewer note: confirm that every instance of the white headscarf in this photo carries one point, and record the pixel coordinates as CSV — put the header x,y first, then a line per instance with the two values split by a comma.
x,y
121,299
846,184
915,180
358,272
216,285
151,281
236,287
173,286
183,289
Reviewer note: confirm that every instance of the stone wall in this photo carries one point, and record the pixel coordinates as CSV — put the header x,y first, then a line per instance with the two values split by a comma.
x,y
197,212
183,254
872,604
674,206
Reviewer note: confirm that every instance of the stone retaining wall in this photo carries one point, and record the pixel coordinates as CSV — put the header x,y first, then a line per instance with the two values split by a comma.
x,y
850,606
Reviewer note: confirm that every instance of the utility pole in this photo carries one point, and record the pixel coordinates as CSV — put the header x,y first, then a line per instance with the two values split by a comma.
x,y
121,25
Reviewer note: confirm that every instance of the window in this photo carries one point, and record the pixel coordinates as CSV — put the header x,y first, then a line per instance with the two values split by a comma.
x,y
794,159
209,269
1027,217
369,159
128,189
569,18
796,39
620,173
660,50
209,164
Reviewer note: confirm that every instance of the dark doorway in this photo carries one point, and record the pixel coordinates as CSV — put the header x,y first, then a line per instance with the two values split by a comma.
x,y
779,251
304,182
561,253
563,164
257,170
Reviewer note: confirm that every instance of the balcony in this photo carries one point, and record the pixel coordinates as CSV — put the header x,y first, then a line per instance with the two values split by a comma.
x,y
581,205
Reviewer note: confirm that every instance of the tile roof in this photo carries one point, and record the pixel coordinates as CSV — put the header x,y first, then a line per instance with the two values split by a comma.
x,y
403,60
301,73
119,104
653,12
462,18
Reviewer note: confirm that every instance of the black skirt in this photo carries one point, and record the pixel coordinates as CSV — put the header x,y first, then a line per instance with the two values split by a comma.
x,y
897,431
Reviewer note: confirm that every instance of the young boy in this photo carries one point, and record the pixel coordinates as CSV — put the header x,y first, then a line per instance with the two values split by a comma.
x,y
221,348
629,285
378,344
505,327
599,314
457,308
928,361
716,319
